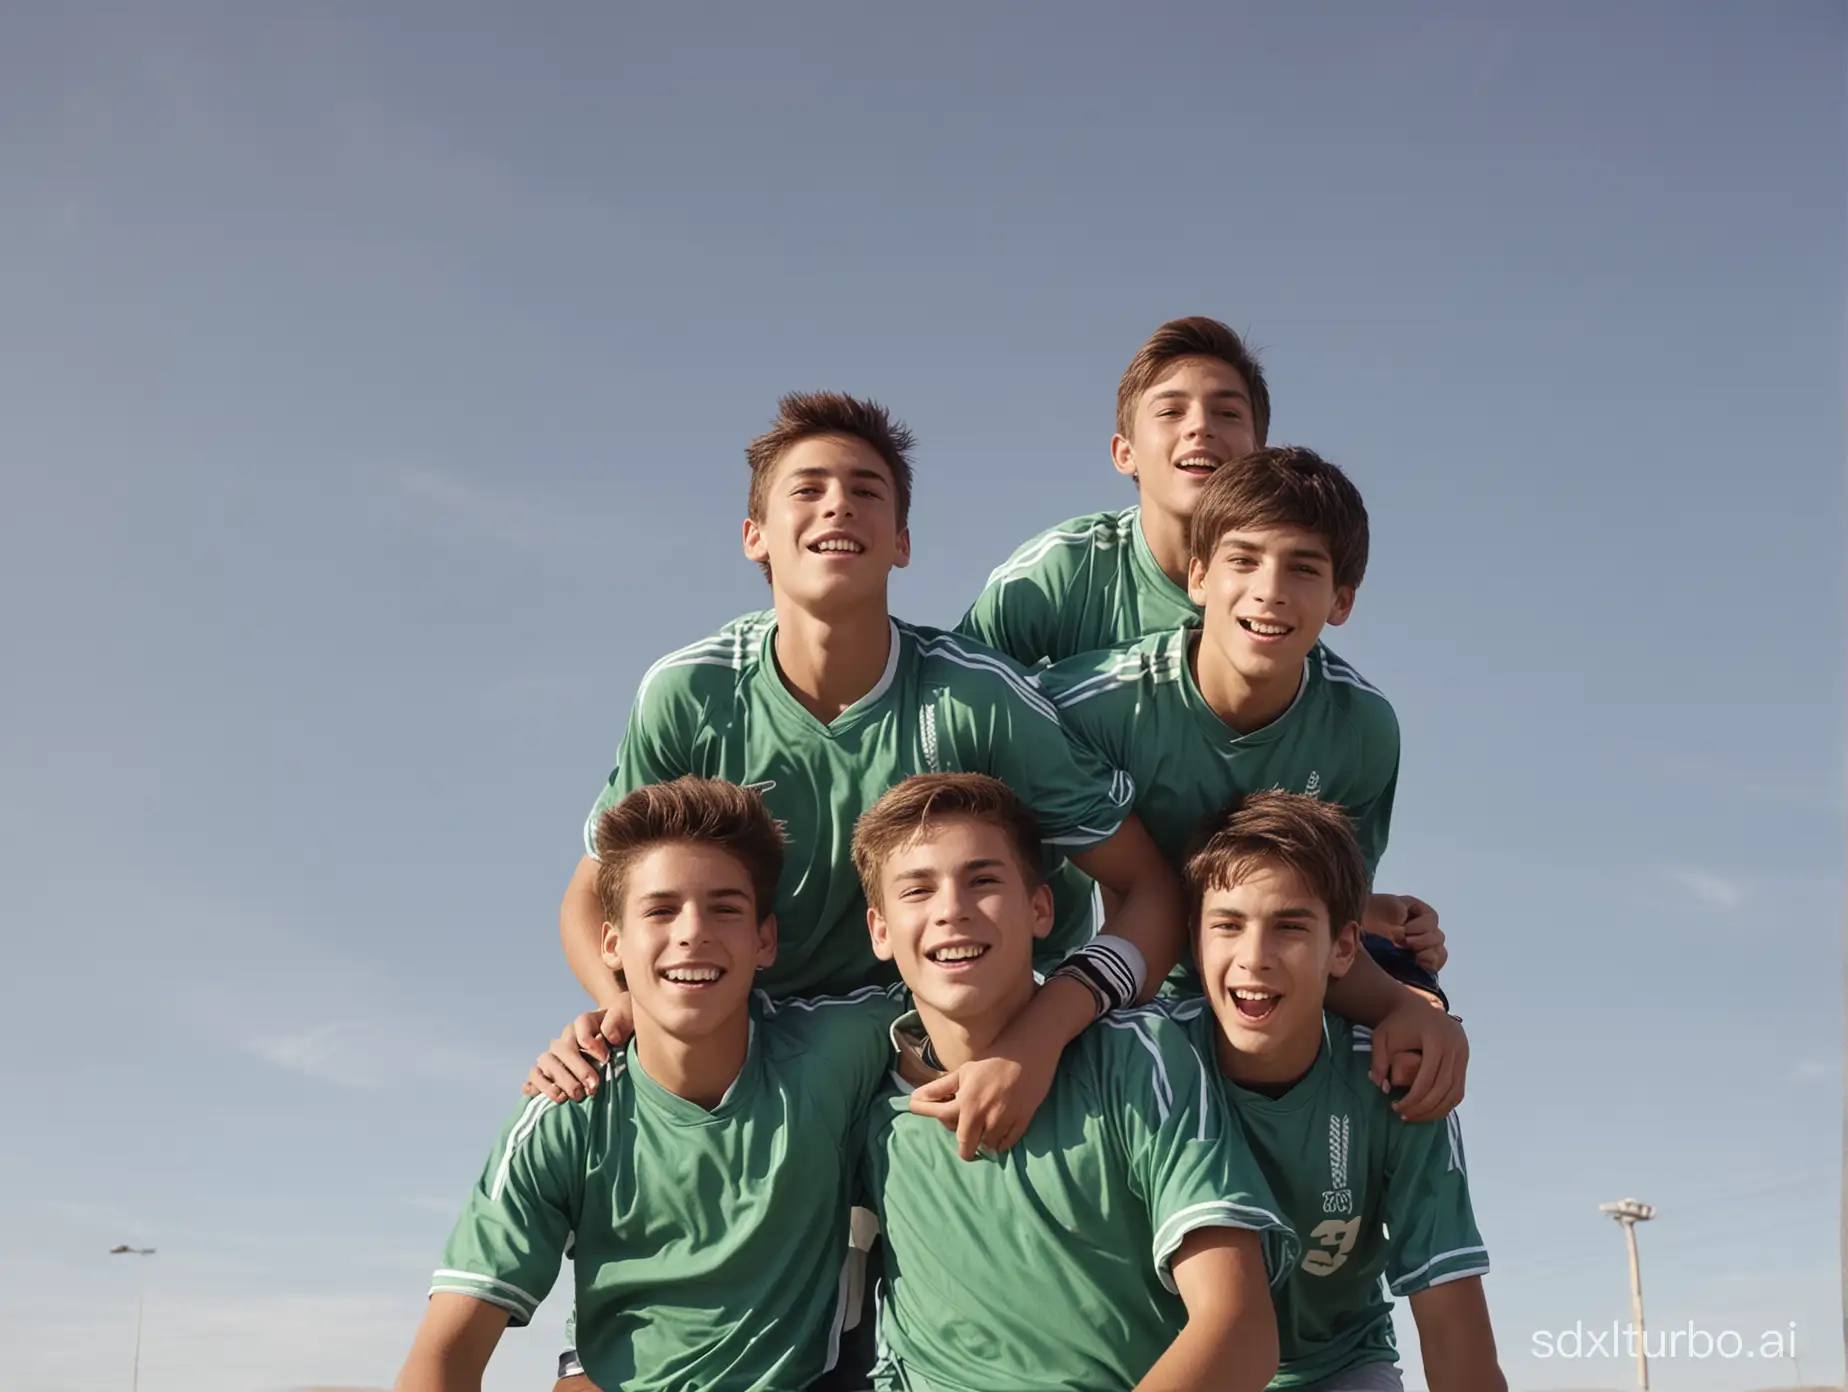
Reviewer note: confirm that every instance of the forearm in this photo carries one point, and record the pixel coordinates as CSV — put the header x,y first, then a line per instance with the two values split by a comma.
x,y
453,1345
1457,1339
1150,915
1235,1356
1060,1011
580,931
432,1370
1365,994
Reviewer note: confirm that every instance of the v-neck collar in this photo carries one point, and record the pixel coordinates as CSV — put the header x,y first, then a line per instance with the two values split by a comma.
x,y
853,714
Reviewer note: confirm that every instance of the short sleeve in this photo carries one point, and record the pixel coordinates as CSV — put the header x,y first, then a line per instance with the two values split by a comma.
x,y
1372,817
507,1246
653,750
1429,1220
1013,614
1078,799
1188,1158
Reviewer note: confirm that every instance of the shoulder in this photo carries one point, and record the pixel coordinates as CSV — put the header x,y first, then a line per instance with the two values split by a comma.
x,y
1150,1051
1154,660
969,668
1344,686
1067,547
712,664
543,1135
807,1022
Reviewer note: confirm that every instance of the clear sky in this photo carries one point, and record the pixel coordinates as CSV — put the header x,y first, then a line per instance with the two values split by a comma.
x,y
374,385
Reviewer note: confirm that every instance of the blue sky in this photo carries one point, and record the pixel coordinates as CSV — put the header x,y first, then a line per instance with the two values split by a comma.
x,y
375,392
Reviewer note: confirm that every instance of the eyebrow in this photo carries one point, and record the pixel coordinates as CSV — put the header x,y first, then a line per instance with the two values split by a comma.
x,y
862,472
1220,393
674,896
1319,553
963,868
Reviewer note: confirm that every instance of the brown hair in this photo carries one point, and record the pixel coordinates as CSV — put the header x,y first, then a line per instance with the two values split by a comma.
x,y
1195,337
1284,487
803,416
1310,838
701,811
906,809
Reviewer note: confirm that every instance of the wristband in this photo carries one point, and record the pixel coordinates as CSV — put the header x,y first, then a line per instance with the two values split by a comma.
x,y
1112,969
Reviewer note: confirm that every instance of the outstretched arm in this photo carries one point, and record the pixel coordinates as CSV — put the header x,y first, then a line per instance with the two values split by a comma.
x,y
1457,1339
1229,1343
453,1345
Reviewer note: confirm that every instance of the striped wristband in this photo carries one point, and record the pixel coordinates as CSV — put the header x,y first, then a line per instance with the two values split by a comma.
x,y
1110,968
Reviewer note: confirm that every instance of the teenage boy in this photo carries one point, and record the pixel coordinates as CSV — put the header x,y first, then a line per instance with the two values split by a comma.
x,y
1277,890
825,701
706,1183
1192,398
1249,698
1123,1242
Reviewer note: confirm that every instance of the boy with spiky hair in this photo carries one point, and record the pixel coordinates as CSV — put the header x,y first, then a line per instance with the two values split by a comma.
x,y
1131,1204
706,1183
826,700
1192,398
1277,889
1250,698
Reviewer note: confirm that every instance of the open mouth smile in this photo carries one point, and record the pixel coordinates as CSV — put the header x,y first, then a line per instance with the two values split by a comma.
x,y
837,546
1266,629
1254,1004
955,956
1198,465
692,977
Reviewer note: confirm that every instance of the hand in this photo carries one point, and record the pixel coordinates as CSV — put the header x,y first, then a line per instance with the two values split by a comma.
x,y
1420,934
988,1102
1442,1052
562,1072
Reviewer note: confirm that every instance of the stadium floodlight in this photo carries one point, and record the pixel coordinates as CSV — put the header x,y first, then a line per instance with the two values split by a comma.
x,y
1630,1212
122,1249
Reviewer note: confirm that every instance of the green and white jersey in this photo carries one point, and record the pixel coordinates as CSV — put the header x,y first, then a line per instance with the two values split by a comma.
x,y
1085,584
1049,1266
1381,1204
709,1247
1138,708
944,704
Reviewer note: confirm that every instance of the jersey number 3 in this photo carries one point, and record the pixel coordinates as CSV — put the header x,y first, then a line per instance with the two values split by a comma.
x,y
1337,1240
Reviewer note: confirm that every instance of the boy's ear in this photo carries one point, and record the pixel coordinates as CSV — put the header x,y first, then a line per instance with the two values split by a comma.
x,y
1347,948
1123,456
1196,581
766,941
1343,606
1042,909
612,947
880,933
755,547
902,549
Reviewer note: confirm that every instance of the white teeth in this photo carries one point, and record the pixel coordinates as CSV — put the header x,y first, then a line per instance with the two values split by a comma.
x,y
957,954
1267,630
689,975
840,545
1243,993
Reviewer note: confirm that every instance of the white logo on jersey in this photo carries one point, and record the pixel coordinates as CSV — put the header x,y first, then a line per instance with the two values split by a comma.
x,y
1334,1240
927,735
1314,785
1337,1198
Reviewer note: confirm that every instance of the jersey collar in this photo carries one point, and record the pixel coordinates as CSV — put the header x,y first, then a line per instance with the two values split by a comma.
x,y
1182,639
678,1109
782,693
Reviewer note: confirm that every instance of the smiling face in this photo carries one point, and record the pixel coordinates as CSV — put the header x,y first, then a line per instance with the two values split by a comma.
x,y
829,531
1194,418
959,914
1266,953
1266,594
690,944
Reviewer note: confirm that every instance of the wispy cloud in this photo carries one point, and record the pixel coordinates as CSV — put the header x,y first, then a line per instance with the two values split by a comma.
x,y
1811,1070
492,513
370,1052
1712,891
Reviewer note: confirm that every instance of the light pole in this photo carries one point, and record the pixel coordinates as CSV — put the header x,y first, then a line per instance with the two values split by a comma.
x,y
124,1250
1629,1213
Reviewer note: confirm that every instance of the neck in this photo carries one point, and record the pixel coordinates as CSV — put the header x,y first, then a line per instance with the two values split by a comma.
x,y
1275,1072
829,662
960,1041
1167,539
700,1070
1243,704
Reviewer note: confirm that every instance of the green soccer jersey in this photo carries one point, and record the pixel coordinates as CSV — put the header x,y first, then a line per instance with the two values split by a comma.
x,y
1049,1267
709,1246
720,709
1380,1203
1138,707
1085,584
